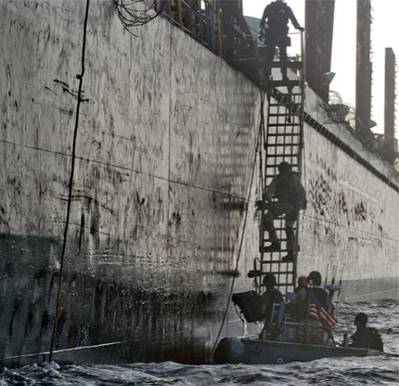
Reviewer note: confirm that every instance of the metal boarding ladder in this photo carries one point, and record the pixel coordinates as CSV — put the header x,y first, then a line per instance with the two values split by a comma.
x,y
283,141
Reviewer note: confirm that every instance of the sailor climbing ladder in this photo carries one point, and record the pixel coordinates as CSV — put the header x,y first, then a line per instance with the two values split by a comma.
x,y
283,141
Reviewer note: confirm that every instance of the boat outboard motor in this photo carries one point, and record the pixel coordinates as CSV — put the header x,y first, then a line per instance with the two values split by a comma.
x,y
251,304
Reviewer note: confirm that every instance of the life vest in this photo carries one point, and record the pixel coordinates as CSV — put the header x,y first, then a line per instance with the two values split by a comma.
x,y
287,189
278,18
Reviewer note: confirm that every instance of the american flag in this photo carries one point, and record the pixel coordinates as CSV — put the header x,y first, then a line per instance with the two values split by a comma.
x,y
322,315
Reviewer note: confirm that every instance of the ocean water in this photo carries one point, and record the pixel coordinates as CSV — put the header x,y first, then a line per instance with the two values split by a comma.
x,y
377,370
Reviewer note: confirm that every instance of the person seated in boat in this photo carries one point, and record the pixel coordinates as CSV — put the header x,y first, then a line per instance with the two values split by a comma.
x,y
316,294
366,337
271,295
302,283
291,198
313,293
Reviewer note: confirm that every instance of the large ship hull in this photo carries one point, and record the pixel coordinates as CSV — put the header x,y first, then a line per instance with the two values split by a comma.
x,y
165,149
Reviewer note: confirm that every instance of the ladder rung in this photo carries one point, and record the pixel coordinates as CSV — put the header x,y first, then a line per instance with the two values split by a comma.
x,y
273,147
283,145
269,166
274,175
283,105
271,175
285,127
252,60
287,155
289,114
279,124
283,94
267,240
275,166
283,83
282,155
284,135
273,262
281,251
276,228
287,65
286,146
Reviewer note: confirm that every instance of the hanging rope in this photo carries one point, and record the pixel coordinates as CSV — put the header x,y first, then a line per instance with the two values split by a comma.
x,y
75,134
258,138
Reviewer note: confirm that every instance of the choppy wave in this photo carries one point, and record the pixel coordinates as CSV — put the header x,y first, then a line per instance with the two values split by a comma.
x,y
379,370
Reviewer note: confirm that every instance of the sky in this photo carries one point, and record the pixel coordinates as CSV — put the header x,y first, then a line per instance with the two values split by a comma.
x,y
384,34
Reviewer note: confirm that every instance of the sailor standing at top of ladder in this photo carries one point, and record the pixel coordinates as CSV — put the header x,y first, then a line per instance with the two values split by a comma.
x,y
274,31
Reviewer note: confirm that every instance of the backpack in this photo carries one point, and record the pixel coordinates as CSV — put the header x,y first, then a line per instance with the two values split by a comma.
x,y
251,304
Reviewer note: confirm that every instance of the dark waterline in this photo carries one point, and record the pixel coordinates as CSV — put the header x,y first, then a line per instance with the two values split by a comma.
x,y
379,370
